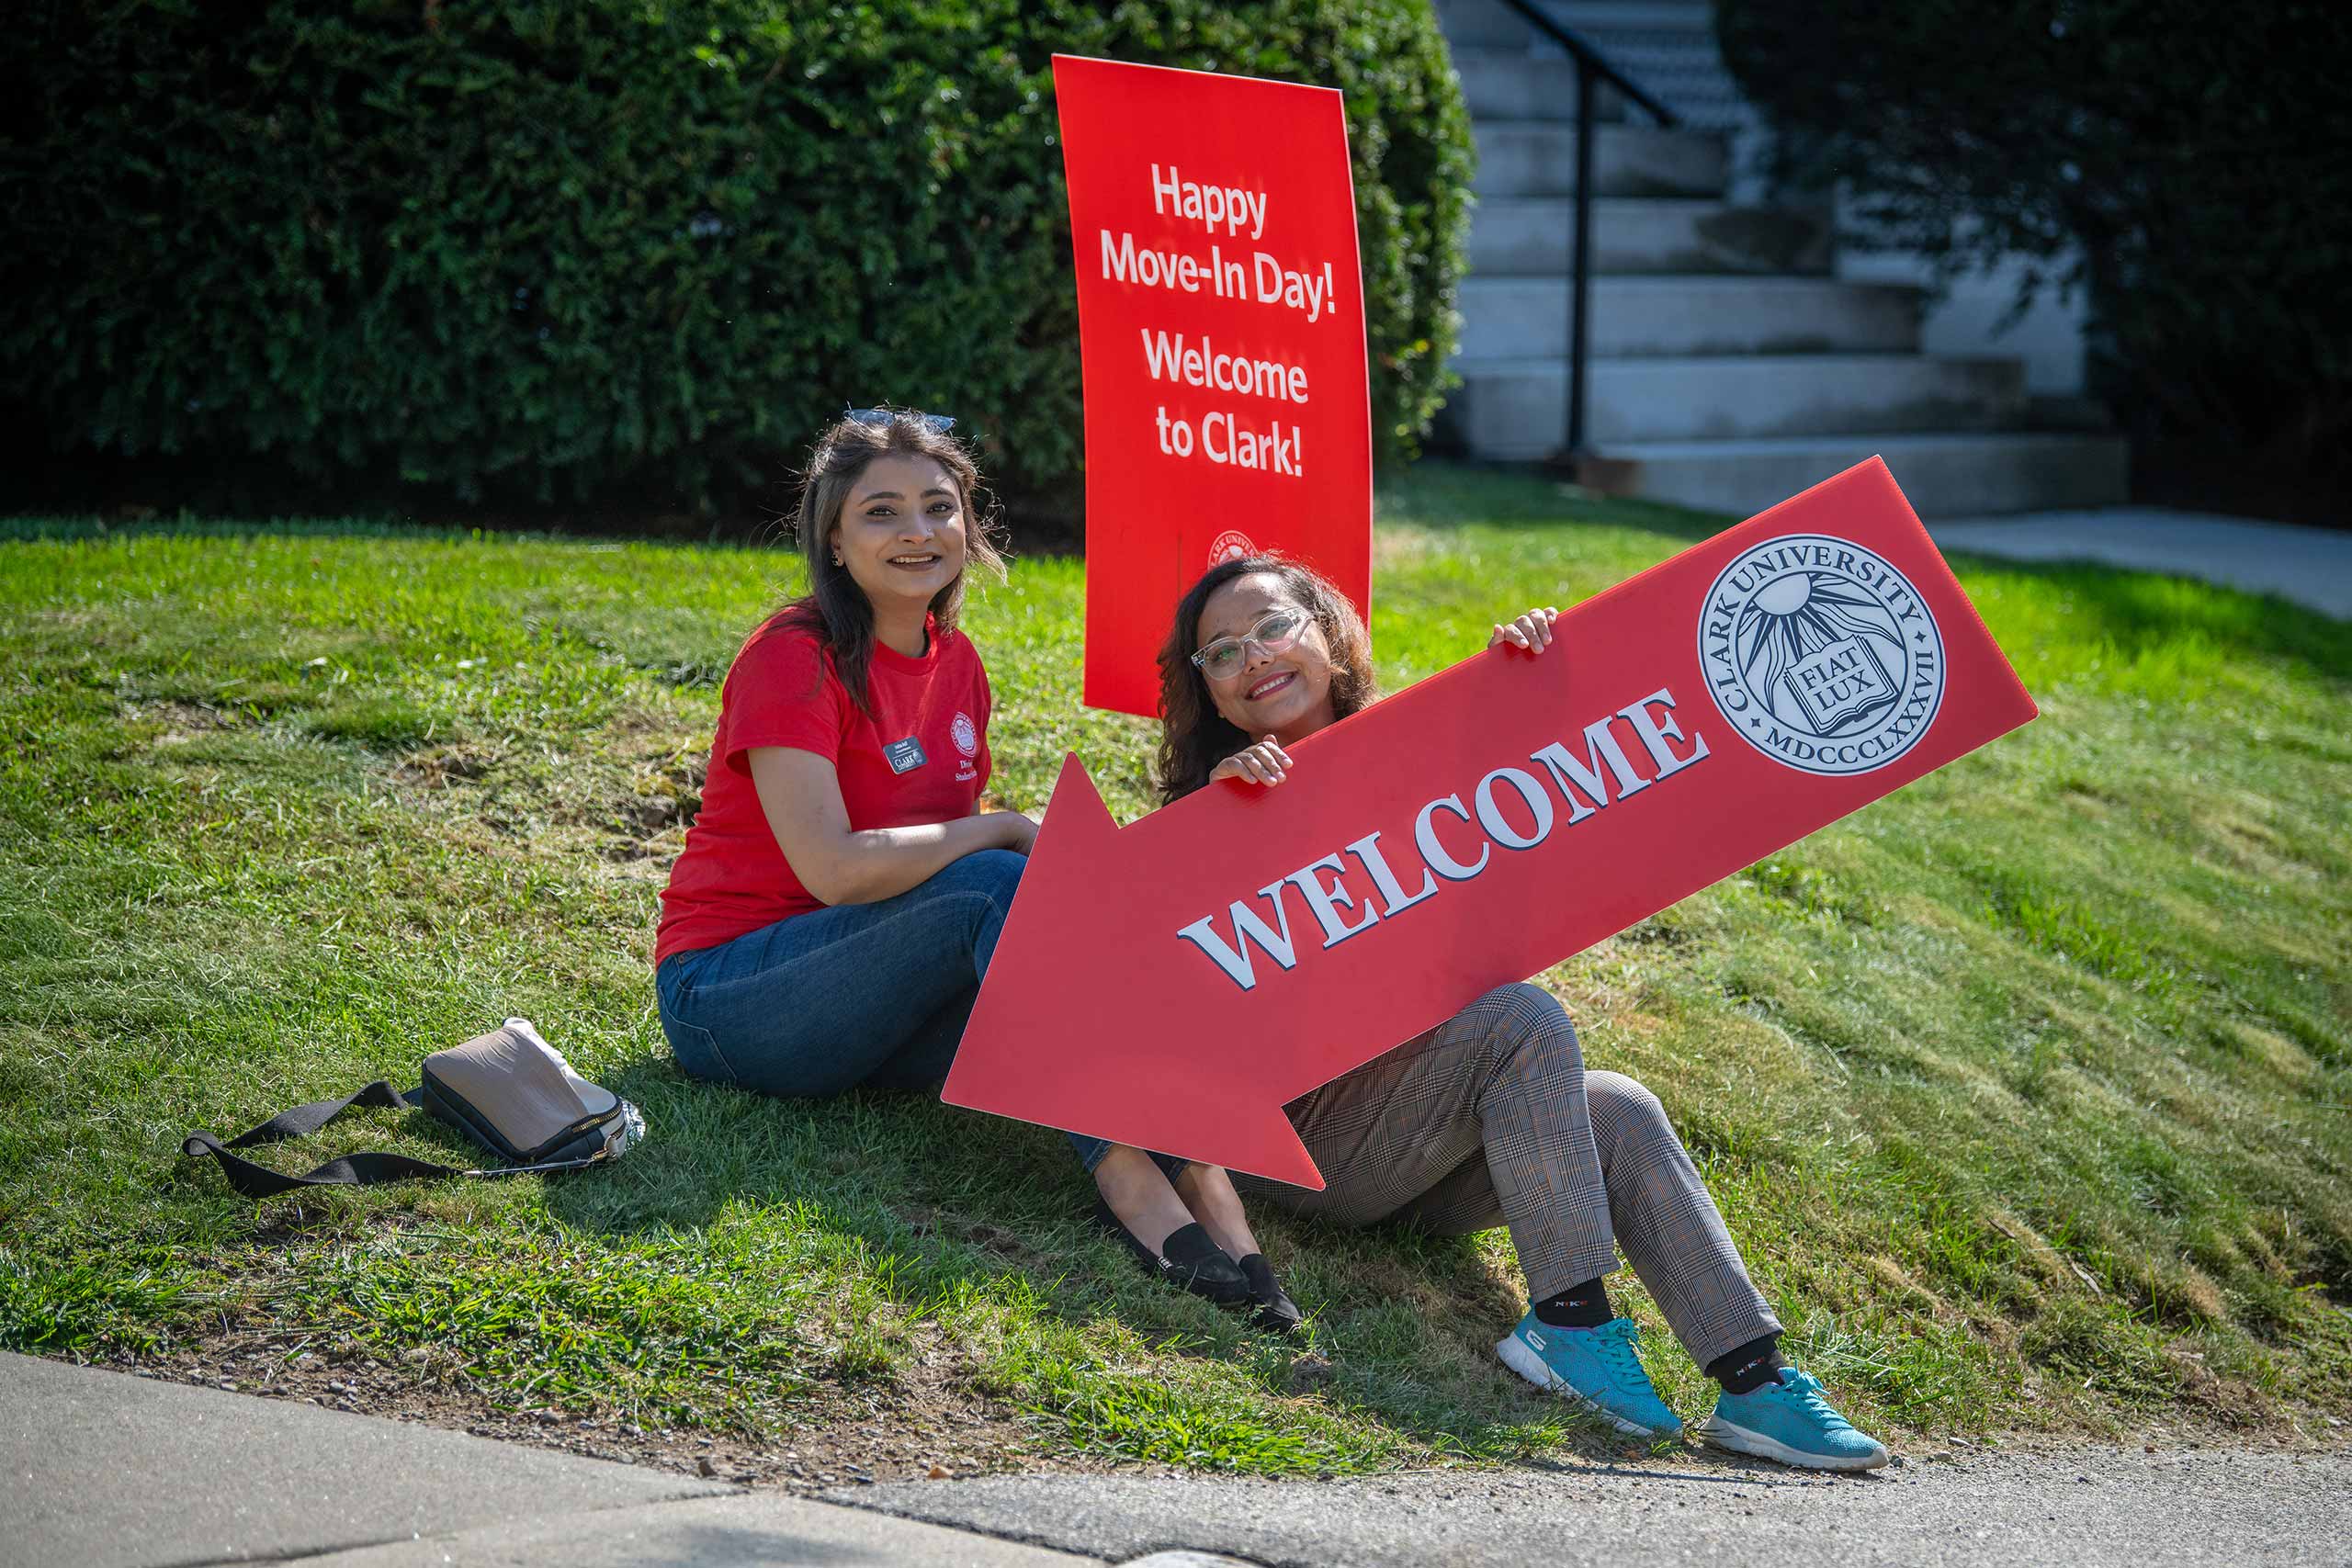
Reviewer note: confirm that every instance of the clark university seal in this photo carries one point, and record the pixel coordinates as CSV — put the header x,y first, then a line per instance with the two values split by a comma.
x,y
1821,655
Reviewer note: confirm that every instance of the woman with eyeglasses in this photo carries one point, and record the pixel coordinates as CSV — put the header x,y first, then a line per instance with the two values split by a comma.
x,y
830,919
1491,1117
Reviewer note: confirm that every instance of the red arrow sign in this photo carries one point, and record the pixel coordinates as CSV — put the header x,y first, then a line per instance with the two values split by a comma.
x,y
1174,982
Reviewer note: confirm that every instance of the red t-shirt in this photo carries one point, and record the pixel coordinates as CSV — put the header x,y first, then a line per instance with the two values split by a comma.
x,y
923,756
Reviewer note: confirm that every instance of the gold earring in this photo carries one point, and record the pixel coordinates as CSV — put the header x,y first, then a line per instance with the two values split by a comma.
x,y
837,557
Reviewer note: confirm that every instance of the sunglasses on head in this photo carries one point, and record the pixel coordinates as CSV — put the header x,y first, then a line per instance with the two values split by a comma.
x,y
937,424
1275,632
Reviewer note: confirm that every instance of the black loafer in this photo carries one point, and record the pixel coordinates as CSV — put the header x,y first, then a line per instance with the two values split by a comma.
x,y
1194,1260
1271,1306
1189,1259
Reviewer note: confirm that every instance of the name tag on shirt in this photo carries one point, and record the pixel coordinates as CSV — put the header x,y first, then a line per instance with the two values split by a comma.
x,y
905,756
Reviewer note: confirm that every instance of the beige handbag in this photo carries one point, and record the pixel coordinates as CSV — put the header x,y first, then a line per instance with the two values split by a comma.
x,y
509,1090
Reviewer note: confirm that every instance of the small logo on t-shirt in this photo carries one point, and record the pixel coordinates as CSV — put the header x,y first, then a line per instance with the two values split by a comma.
x,y
966,736
905,756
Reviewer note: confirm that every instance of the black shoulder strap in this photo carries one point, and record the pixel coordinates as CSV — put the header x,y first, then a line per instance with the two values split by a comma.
x,y
350,1170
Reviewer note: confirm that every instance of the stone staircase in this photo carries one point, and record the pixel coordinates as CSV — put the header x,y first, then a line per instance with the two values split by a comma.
x,y
1729,367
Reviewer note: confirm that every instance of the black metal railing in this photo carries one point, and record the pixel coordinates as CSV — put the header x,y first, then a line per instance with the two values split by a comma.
x,y
1592,69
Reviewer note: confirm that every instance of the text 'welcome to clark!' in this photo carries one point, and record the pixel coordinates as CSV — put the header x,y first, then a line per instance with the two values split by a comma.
x,y
1221,332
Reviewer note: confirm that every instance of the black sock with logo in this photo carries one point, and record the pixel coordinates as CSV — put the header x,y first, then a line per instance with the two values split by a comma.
x,y
1749,1367
1579,1307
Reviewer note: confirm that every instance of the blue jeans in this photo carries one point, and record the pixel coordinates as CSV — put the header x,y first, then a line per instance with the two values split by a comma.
x,y
872,996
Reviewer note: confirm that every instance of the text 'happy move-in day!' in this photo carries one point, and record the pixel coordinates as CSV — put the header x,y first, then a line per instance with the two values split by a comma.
x,y
1227,215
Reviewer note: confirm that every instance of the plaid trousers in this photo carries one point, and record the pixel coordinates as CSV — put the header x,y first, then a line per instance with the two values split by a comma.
x,y
1492,1117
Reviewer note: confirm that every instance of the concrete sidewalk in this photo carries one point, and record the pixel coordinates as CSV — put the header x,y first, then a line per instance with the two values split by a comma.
x,y
1965,1509
2312,567
99,1470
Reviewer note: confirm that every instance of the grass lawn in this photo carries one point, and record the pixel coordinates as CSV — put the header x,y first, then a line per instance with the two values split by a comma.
x,y
2024,1089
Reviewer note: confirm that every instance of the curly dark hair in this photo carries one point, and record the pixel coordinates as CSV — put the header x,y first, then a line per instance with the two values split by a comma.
x,y
835,608
1193,736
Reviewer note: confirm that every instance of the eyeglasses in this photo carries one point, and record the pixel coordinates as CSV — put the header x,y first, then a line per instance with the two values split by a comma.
x,y
937,424
1277,633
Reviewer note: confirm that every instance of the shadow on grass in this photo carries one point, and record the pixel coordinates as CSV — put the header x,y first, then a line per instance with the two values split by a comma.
x,y
950,1205
1448,496
972,1192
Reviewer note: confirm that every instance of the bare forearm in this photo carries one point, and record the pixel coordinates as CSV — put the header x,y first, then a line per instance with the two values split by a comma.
x,y
800,795
882,862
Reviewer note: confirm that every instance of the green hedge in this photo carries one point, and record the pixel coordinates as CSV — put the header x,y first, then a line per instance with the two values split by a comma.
x,y
566,252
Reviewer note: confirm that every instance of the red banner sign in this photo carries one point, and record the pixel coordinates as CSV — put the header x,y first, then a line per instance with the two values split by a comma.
x,y
1174,982
1220,315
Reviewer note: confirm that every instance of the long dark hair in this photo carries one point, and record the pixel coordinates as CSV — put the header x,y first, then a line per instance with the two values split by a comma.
x,y
835,607
1193,736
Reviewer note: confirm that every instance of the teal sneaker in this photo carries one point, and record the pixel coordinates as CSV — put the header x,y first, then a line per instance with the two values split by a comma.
x,y
1791,1421
1594,1367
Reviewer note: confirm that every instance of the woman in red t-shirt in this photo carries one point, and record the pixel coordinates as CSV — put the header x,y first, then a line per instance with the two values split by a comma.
x,y
829,922
830,916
